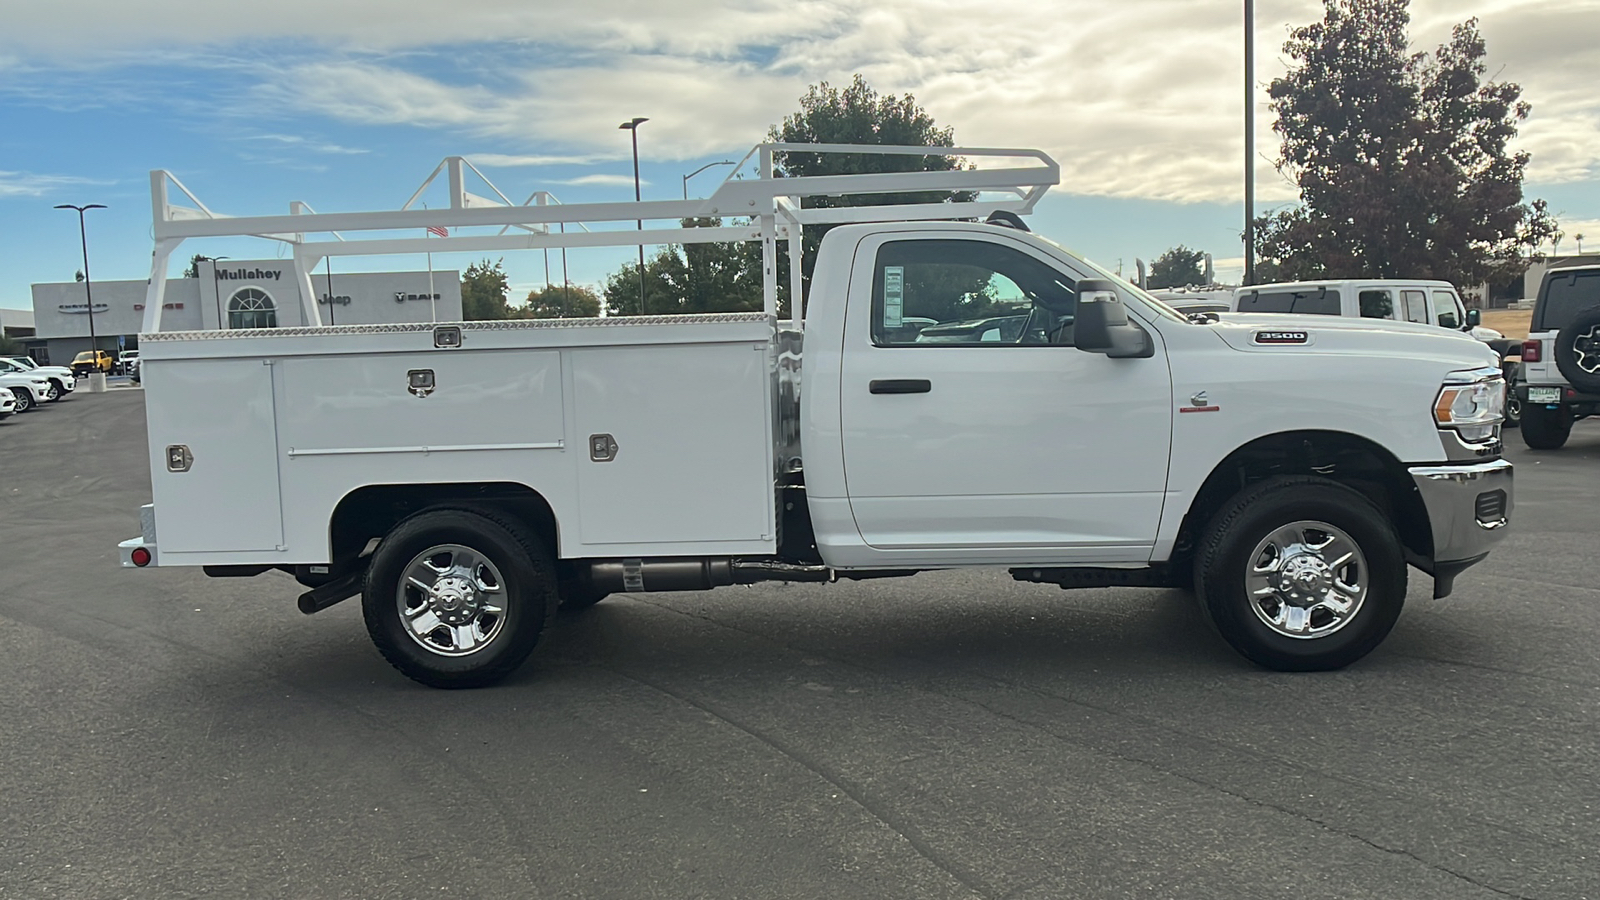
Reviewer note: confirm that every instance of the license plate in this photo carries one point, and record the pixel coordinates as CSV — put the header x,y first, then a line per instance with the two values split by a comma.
x,y
1544,395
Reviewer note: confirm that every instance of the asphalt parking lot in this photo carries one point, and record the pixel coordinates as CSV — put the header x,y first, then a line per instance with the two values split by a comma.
x,y
167,735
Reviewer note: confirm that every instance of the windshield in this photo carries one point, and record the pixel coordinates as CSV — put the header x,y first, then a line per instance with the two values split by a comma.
x,y
85,356
1317,301
1565,295
23,362
1155,303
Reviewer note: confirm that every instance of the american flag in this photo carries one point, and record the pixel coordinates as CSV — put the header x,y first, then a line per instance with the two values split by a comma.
x,y
440,230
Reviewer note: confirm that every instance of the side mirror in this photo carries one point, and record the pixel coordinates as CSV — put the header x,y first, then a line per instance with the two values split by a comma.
x,y
1474,318
1100,324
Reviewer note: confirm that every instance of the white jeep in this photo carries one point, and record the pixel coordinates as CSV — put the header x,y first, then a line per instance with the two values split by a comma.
x,y
1561,357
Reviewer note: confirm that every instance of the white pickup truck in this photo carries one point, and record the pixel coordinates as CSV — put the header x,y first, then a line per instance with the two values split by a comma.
x,y
969,394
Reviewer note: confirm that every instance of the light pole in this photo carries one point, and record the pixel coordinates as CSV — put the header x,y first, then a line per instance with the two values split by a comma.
x,y
1249,141
633,126
724,162
328,267
97,378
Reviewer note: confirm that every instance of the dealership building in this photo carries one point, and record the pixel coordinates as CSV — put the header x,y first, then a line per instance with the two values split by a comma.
x,y
233,294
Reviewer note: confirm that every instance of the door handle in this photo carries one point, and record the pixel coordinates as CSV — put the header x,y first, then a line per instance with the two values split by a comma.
x,y
900,386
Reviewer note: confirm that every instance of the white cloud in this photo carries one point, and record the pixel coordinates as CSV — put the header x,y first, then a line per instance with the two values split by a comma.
x,y
1137,99
609,180
510,160
302,142
27,184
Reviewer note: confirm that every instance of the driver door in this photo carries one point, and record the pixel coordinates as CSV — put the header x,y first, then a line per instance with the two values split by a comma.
x,y
974,431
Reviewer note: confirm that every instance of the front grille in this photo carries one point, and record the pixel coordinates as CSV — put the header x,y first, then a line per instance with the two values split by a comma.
x,y
1491,507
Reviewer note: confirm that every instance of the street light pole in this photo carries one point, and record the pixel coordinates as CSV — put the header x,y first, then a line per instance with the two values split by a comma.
x,y
97,379
1249,142
724,162
633,126
328,267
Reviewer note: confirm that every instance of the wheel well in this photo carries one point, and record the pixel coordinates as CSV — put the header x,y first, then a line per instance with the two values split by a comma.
x,y
369,512
1350,460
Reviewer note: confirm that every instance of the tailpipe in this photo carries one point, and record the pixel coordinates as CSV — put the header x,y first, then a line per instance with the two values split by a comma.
x,y
615,576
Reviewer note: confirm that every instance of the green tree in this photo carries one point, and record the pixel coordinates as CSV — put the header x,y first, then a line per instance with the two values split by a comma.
x,y
1401,158
717,276
857,114
559,301
483,291
193,271
1178,267
10,346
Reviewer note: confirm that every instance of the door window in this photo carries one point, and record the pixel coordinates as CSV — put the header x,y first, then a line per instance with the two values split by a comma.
x,y
1446,309
1376,304
1416,303
968,293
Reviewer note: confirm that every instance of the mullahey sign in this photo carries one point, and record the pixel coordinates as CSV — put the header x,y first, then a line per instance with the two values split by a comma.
x,y
249,274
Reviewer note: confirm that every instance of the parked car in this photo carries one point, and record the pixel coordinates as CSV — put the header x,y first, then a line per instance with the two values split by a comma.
x,y
30,390
92,361
60,376
127,361
1561,357
8,404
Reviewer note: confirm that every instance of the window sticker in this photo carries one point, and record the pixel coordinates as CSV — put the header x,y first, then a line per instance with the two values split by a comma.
x,y
894,290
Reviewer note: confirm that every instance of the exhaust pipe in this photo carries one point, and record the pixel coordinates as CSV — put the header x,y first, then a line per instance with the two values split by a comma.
x,y
642,575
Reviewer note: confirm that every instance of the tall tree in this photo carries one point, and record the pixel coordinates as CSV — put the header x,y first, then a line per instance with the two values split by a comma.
x,y
560,301
718,276
483,291
193,271
1178,267
857,114
1401,158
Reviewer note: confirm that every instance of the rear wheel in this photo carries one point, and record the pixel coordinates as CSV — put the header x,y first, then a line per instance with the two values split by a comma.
x,y
457,598
1301,574
24,399
1544,428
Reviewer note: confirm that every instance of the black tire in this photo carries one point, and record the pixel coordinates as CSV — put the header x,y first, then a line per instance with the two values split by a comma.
x,y
1578,351
1227,554
1544,428
1513,404
526,580
24,399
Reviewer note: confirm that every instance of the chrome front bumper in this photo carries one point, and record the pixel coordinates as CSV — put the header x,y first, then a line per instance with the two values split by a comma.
x,y
1469,507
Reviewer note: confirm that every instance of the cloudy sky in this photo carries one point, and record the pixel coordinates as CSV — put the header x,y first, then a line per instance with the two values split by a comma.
x,y
349,104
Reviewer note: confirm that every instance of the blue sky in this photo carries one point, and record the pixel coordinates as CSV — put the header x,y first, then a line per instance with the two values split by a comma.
x,y
349,106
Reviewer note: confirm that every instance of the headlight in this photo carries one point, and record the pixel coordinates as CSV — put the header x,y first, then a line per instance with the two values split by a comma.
x,y
1472,402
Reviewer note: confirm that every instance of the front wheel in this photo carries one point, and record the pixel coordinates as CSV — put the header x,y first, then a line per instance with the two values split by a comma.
x,y
1301,574
1544,428
24,399
457,598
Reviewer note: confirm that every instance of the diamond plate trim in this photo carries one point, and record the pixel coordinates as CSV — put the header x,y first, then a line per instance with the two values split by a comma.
x,y
427,327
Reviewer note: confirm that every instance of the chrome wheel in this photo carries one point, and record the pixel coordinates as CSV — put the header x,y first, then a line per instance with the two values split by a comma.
x,y
24,399
1306,580
451,600
51,392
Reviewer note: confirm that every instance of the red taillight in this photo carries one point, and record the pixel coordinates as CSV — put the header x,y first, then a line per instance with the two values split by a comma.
x,y
1532,351
140,557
